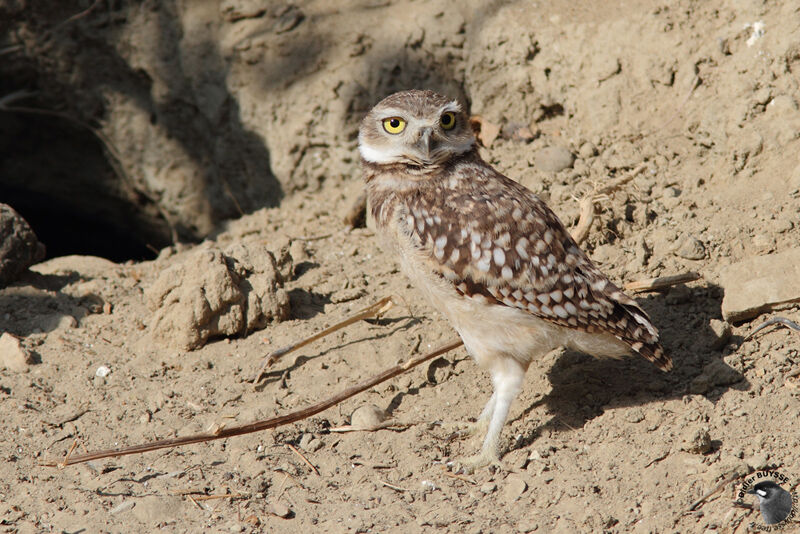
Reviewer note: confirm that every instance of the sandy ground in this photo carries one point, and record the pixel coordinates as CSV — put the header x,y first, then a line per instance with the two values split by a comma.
x,y
688,89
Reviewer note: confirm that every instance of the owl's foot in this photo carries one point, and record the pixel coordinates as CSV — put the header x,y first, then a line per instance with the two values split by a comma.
x,y
484,458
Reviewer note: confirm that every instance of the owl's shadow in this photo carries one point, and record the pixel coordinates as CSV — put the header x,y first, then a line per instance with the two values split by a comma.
x,y
584,387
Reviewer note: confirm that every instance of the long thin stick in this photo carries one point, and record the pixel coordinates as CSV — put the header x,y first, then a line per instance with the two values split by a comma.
x,y
264,424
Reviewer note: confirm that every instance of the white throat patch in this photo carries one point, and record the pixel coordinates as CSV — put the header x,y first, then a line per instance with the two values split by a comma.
x,y
373,155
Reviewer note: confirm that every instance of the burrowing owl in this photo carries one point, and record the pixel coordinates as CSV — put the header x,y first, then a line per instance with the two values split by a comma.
x,y
488,253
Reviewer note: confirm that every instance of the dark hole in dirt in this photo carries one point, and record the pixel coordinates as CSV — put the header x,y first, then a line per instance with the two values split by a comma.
x,y
551,111
56,174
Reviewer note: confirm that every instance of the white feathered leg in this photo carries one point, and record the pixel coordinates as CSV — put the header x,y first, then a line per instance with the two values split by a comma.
x,y
507,376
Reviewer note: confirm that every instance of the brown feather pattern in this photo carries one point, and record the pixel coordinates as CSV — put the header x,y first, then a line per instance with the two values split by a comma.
x,y
490,236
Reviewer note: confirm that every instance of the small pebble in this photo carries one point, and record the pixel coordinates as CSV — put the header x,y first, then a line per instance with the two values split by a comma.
x,y
587,150
488,487
102,371
427,486
314,445
763,242
636,415
553,159
280,510
122,507
367,417
690,248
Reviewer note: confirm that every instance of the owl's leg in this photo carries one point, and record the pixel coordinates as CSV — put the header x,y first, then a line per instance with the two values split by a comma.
x,y
486,414
507,377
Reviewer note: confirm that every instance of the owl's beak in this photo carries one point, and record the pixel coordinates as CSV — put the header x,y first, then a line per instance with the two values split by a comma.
x,y
425,142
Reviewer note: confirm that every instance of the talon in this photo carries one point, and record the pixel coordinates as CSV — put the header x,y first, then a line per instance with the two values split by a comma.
x,y
483,459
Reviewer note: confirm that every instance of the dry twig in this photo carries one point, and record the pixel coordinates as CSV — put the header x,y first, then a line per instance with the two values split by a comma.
x,y
662,282
65,463
769,322
392,486
302,457
581,230
225,496
708,494
457,476
195,502
380,426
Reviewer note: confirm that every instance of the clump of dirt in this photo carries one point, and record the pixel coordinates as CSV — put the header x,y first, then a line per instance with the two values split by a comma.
x,y
204,106
211,293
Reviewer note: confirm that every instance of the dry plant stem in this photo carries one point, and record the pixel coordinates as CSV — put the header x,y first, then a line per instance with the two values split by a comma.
x,y
228,496
581,230
195,502
65,463
375,310
392,486
769,322
662,282
265,424
302,457
708,494
380,426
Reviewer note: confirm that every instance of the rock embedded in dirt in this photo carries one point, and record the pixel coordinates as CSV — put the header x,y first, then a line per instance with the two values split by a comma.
x,y
488,487
19,246
280,510
721,333
690,248
587,150
696,440
367,417
213,293
57,321
759,284
553,159
13,355
514,486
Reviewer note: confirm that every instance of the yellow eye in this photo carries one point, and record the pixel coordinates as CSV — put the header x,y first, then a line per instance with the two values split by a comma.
x,y
394,125
448,120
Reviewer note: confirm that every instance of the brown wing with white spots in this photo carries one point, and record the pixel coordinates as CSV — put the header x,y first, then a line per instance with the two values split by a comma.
x,y
490,236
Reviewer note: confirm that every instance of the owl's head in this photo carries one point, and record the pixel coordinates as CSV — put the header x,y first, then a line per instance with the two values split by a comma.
x,y
419,128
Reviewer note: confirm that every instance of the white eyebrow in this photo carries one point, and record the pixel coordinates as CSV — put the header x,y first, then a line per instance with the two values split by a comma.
x,y
453,106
